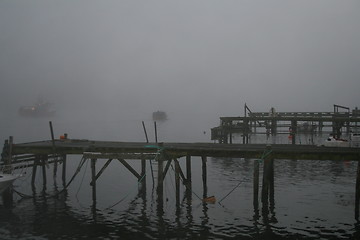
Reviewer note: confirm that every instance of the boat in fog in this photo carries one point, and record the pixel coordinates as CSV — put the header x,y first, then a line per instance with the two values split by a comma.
x,y
159,116
40,109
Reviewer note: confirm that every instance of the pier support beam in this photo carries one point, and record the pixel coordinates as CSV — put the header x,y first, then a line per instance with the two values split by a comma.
x,y
160,184
93,180
357,192
268,185
204,176
177,182
256,185
63,177
188,174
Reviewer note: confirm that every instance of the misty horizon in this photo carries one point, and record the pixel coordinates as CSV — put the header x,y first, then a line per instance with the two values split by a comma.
x,y
204,59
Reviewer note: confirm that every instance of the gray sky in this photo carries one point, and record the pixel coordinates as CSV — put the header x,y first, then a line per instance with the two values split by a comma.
x,y
204,57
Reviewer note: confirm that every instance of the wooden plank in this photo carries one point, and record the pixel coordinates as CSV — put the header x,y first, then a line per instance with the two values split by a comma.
x,y
130,168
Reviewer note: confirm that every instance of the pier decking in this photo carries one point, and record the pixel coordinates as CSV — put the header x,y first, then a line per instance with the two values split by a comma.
x,y
105,149
42,153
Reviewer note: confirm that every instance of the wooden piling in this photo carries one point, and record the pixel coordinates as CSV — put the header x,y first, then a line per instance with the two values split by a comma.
x,y
93,180
143,173
256,185
146,136
160,184
188,172
53,145
63,177
177,182
271,185
204,176
43,166
156,138
357,192
265,185
33,176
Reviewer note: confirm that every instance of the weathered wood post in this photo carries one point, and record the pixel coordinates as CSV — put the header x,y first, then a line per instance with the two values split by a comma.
x,y
188,173
93,180
256,185
271,185
265,186
53,146
177,182
33,176
43,166
357,192
7,195
293,131
156,137
204,176
146,136
63,177
160,184
143,173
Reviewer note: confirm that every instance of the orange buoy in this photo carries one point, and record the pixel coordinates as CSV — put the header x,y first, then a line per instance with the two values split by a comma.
x,y
210,199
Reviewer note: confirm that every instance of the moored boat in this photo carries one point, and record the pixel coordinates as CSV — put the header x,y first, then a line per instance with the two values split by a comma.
x,y
6,180
40,109
159,116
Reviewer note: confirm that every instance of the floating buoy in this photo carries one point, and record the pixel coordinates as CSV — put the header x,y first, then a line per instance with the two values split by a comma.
x,y
210,199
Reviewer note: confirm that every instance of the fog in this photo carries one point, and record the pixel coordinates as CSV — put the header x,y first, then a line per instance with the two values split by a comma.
x,y
196,60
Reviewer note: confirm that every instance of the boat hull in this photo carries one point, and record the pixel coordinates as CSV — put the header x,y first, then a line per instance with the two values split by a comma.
x,y
6,180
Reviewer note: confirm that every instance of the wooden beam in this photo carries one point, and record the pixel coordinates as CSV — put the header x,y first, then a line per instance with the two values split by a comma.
x,y
101,171
130,168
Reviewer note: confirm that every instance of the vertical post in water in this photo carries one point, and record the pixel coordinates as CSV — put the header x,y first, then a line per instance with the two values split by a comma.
x,y
293,131
265,186
271,185
64,170
256,185
188,172
7,195
204,176
357,192
93,180
36,163
143,173
156,139
43,166
160,186
146,136
53,146
177,182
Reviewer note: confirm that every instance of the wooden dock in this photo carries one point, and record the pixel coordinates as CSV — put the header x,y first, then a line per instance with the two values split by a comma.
x,y
42,153
291,123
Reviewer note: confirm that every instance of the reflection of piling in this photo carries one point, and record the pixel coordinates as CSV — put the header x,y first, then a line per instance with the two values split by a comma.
x,y
160,186
267,192
177,182
256,185
357,192
204,176
93,180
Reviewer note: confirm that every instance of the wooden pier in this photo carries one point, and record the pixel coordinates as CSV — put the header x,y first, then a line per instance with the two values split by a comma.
x,y
290,123
41,153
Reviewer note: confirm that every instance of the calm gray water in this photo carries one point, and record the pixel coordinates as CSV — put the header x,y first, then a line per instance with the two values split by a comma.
x,y
313,199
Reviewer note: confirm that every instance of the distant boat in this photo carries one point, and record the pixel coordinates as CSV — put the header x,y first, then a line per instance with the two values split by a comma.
x,y
335,142
40,109
159,116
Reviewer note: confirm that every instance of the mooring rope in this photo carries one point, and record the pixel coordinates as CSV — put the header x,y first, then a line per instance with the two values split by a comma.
x,y
81,163
122,199
186,185
265,153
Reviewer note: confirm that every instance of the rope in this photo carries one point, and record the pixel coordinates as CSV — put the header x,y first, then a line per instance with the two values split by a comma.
x,y
186,185
81,163
122,199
